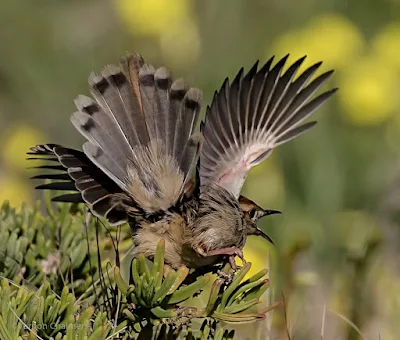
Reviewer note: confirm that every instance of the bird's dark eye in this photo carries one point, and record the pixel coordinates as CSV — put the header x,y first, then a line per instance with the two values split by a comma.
x,y
252,214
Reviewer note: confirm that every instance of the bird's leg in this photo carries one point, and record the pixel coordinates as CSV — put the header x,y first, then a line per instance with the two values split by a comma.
x,y
231,252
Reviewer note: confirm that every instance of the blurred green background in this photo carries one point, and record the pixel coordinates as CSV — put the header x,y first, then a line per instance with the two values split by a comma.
x,y
336,262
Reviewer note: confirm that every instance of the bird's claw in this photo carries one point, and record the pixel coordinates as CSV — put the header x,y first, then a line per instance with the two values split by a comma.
x,y
239,253
231,253
232,262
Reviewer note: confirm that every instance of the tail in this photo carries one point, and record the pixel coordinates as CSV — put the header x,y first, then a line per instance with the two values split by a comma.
x,y
139,130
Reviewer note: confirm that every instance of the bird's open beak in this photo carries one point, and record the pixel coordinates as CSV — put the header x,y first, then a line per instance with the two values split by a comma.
x,y
271,212
264,235
260,232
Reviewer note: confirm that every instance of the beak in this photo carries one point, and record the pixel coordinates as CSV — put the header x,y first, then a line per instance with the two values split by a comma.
x,y
271,212
260,232
264,235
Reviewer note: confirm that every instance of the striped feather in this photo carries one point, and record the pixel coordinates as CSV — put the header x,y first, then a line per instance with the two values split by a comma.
x,y
250,117
138,126
90,184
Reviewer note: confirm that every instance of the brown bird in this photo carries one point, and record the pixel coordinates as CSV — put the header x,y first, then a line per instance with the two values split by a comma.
x,y
141,151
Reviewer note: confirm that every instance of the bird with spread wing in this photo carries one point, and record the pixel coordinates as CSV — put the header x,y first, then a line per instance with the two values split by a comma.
x,y
142,151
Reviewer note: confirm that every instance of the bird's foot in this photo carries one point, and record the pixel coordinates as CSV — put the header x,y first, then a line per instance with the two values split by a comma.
x,y
231,252
232,262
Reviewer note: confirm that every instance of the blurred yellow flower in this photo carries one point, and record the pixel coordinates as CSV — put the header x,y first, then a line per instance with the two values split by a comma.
x,y
331,38
169,21
335,39
151,17
368,92
386,45
14,190
16,141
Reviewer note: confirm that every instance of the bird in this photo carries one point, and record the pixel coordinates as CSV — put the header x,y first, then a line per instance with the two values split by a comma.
x,y
144,163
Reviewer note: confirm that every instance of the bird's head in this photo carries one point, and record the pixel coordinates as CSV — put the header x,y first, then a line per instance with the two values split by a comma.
x,y
252,213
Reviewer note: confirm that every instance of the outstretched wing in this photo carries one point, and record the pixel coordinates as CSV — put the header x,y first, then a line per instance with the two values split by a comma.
x,y
72,171
139,130
256,113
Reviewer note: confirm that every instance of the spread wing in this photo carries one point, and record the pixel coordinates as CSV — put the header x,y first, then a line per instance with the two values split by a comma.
x,y
256,113
72,171
139,128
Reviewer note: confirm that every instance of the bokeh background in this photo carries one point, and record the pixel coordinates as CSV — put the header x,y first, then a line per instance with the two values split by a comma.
x,y
336,261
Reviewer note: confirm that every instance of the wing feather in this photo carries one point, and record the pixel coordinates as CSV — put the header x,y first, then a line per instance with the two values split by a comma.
x,y
87,183
255,114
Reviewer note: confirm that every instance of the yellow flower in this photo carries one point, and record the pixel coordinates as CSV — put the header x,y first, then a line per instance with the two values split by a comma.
x,y
386,45
151,17
168,20
331,38
14,190
368,92
16,141
335,39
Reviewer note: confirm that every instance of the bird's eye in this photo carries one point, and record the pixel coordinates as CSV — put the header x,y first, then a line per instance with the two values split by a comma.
x,y
252,214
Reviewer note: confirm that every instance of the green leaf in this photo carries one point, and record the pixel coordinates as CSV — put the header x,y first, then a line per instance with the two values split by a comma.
x,y
158,266
240,306
234,284
121,284
246,288
237,318
214,294
129,315
135,272
165,287
181,275
188,291
256,292
162,313
143,268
